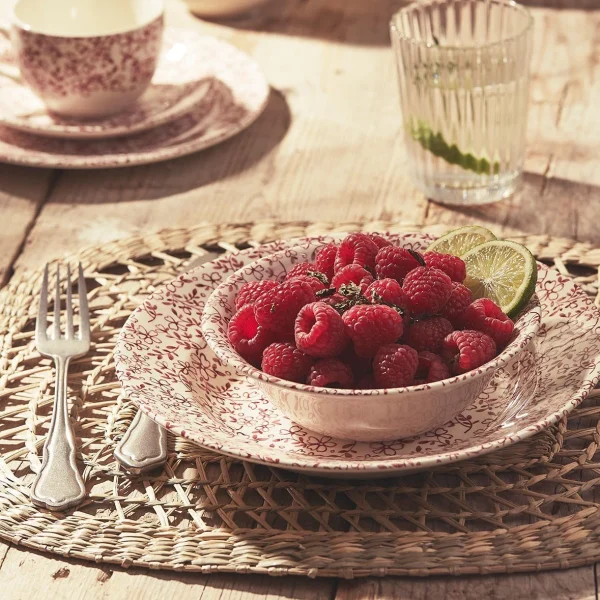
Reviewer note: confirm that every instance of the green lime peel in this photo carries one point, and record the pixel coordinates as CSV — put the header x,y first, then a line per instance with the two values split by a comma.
x,y
437,145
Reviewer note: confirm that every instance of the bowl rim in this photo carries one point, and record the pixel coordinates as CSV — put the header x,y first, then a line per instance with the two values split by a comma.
x,y
220,345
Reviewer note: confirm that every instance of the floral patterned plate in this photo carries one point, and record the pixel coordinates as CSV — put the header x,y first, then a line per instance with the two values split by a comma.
x,y
165,366
234,94
174,91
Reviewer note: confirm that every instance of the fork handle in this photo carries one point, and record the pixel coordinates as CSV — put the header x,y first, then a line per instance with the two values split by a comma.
x,y
144,445
59,484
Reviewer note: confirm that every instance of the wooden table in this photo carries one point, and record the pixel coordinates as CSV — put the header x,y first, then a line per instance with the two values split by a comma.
x,y
326,148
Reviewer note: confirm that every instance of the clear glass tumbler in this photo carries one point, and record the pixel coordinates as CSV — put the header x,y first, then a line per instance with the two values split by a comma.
x,y
463,69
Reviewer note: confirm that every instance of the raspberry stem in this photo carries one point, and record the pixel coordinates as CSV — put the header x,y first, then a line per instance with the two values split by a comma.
x,y
417,257
320,276
378,299
353,297
325,293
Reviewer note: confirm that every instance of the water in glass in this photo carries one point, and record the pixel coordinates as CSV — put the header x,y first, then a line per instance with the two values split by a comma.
x,y
463,68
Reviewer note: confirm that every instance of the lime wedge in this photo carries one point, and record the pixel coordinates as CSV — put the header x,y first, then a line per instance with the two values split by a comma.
x,y
503,271
460,241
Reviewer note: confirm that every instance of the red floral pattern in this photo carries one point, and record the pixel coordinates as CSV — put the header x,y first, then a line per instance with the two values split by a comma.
x,y
56,66
175,89
237,95
165,366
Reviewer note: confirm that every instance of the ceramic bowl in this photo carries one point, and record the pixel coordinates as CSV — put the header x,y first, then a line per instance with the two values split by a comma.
x,y
85,61
363,415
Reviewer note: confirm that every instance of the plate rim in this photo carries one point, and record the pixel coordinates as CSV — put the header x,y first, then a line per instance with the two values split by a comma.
x,y
392,465
166,151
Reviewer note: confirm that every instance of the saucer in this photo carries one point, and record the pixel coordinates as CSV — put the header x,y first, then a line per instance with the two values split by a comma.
x,y
234,92
174,91
166,367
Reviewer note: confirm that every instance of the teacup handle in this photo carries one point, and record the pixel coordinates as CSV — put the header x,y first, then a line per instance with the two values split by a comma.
x,y
7,70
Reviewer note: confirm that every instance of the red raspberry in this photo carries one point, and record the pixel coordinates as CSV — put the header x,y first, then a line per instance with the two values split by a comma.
x,y
366,382
284,360
431,368
316,284
320,330
331,373
307,270
428,334
371,326
300,268
486,316
427,290
394,263
325,259
252,290
380,242
277,309
395,365
454,309
387,291
467,350
453,266
247,337
356,249
352,274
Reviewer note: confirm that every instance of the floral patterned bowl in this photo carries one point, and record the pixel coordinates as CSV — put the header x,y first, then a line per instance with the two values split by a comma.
x,y
363,415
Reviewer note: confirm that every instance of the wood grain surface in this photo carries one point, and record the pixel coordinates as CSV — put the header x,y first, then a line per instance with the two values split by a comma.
x,y
326,148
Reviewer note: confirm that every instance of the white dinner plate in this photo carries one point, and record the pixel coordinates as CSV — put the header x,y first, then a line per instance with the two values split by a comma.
x,y
165,366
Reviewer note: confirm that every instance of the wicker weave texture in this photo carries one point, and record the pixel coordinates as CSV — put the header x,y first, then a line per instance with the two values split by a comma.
x,y
531,506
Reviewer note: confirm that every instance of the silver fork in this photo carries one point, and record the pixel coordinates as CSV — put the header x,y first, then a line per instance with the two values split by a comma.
x,y
59,484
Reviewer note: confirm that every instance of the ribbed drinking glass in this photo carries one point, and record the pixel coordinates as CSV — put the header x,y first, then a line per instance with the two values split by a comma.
x,y
463,69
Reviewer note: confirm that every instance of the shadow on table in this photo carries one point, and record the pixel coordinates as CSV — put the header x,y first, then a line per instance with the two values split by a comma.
x,y
360,22
563,4
194,171
565,208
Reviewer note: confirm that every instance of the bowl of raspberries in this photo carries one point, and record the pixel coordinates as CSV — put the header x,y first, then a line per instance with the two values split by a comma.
x,y
364,336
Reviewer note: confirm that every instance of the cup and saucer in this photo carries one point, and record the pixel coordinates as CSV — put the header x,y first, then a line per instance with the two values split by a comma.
x,y
79,78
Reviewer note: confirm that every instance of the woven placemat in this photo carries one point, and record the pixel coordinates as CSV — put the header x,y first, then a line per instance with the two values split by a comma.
x,y
531,506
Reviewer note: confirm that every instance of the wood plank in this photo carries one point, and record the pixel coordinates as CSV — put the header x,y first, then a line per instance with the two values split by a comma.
x,y
561,194
327,148
573,584
22,192
60,579
4,546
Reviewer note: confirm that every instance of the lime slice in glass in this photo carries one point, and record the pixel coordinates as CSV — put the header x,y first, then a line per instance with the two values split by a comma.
x,y
460,241
503,271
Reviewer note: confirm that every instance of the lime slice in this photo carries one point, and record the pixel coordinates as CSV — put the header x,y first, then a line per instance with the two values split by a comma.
x,y
460,241
503,271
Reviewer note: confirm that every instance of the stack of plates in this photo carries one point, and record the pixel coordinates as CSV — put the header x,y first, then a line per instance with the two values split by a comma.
x,y
166,367
203,92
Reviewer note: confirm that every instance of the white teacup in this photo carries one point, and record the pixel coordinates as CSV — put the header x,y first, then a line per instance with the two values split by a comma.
x,y
87,58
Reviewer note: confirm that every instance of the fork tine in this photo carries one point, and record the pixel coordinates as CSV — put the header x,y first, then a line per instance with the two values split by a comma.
x,y
57,304
69,334
84,316
42,318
